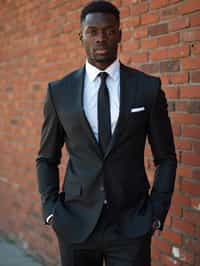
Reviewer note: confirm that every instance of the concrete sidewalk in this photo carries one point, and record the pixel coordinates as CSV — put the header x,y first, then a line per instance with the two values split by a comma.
x,y
12,255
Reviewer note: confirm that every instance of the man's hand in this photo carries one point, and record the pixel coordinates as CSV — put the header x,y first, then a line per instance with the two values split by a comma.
x,y
155,228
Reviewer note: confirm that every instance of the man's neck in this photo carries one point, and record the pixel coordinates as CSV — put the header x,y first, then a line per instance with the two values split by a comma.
x,y
101,66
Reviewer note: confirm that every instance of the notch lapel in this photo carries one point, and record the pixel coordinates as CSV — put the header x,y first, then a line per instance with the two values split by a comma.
x,y
128,89
79,86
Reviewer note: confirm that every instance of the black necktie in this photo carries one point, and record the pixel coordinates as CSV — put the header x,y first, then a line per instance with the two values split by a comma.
x,y
104,123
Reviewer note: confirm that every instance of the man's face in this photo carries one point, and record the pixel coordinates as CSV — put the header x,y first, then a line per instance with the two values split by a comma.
x,y
100,36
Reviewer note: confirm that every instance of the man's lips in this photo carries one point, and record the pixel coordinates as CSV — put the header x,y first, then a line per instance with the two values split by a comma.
x,y
101,51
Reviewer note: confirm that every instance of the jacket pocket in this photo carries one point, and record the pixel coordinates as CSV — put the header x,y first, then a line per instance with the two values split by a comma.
x,y
72,190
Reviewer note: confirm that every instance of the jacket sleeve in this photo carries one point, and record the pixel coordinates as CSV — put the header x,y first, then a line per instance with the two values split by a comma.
x,y
49,155
160,137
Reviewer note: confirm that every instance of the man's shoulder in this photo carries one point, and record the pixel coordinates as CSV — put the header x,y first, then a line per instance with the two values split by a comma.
x,y
148,85
67,79
140,74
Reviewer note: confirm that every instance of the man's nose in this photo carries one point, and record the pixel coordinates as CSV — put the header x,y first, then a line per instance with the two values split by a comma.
x,y
101,36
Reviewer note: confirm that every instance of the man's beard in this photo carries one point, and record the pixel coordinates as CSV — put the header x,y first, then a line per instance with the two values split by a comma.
x,y
106,59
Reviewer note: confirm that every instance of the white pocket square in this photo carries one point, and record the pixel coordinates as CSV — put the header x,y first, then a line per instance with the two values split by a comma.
x,y
138,109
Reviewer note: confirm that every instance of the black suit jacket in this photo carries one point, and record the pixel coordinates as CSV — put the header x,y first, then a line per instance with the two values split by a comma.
x,y
120,170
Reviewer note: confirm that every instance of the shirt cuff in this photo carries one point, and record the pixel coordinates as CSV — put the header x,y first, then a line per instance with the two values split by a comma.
x,y
48,218
156,224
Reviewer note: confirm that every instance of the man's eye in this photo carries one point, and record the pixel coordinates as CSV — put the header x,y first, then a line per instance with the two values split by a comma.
x,y
110,31
92,31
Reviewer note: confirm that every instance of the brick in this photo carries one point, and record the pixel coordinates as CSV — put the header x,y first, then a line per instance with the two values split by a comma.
x,y
130,46
190,36
195,173
189,6
139,8
178,52
178,156
149,18
176,129
182,118
125,2
129,22
172,236
151,68
191,187
126,36
162,245
168,14
185,171
196,119
191,131
159,29
197,260
181,199
190,92
196,146
171,92
188,106
180,77
171,106
125,11
168,221
159,54
115,2
182,144
195,20
149,43
198,232
196,48
178,24
158,4
165,78
140,32
191,244
195,76
169,66
168,39
190,63
175,210
190,158
139,57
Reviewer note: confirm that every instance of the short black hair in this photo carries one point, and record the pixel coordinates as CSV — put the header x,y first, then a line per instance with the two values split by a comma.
x,y
100,7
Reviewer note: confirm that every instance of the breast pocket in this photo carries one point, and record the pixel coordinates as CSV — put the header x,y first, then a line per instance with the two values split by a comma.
x,y
139,115
137,120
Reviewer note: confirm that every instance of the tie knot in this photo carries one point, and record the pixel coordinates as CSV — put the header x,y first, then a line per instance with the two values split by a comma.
x,y
103,75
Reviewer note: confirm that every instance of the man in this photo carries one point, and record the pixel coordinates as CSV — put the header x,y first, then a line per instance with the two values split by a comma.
x,y
103,112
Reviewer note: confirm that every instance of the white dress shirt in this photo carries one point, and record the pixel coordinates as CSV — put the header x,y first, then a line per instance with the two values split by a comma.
x,y
90,96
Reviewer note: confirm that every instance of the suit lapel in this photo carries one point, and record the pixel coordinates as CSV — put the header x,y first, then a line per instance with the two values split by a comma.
x,y
128,88
79,86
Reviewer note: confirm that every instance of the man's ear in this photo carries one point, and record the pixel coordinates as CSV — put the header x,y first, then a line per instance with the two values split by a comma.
x,y
120,35
80,36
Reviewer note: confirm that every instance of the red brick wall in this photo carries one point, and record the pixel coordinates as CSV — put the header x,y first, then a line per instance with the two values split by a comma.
x,y
38,43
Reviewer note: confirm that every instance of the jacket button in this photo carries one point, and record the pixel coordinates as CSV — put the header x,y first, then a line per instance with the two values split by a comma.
x,y
101,188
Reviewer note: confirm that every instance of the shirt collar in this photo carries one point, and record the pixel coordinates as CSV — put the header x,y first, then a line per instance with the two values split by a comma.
x,y
112,70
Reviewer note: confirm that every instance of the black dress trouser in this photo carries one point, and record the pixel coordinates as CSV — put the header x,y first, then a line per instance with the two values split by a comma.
x,y
105,244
